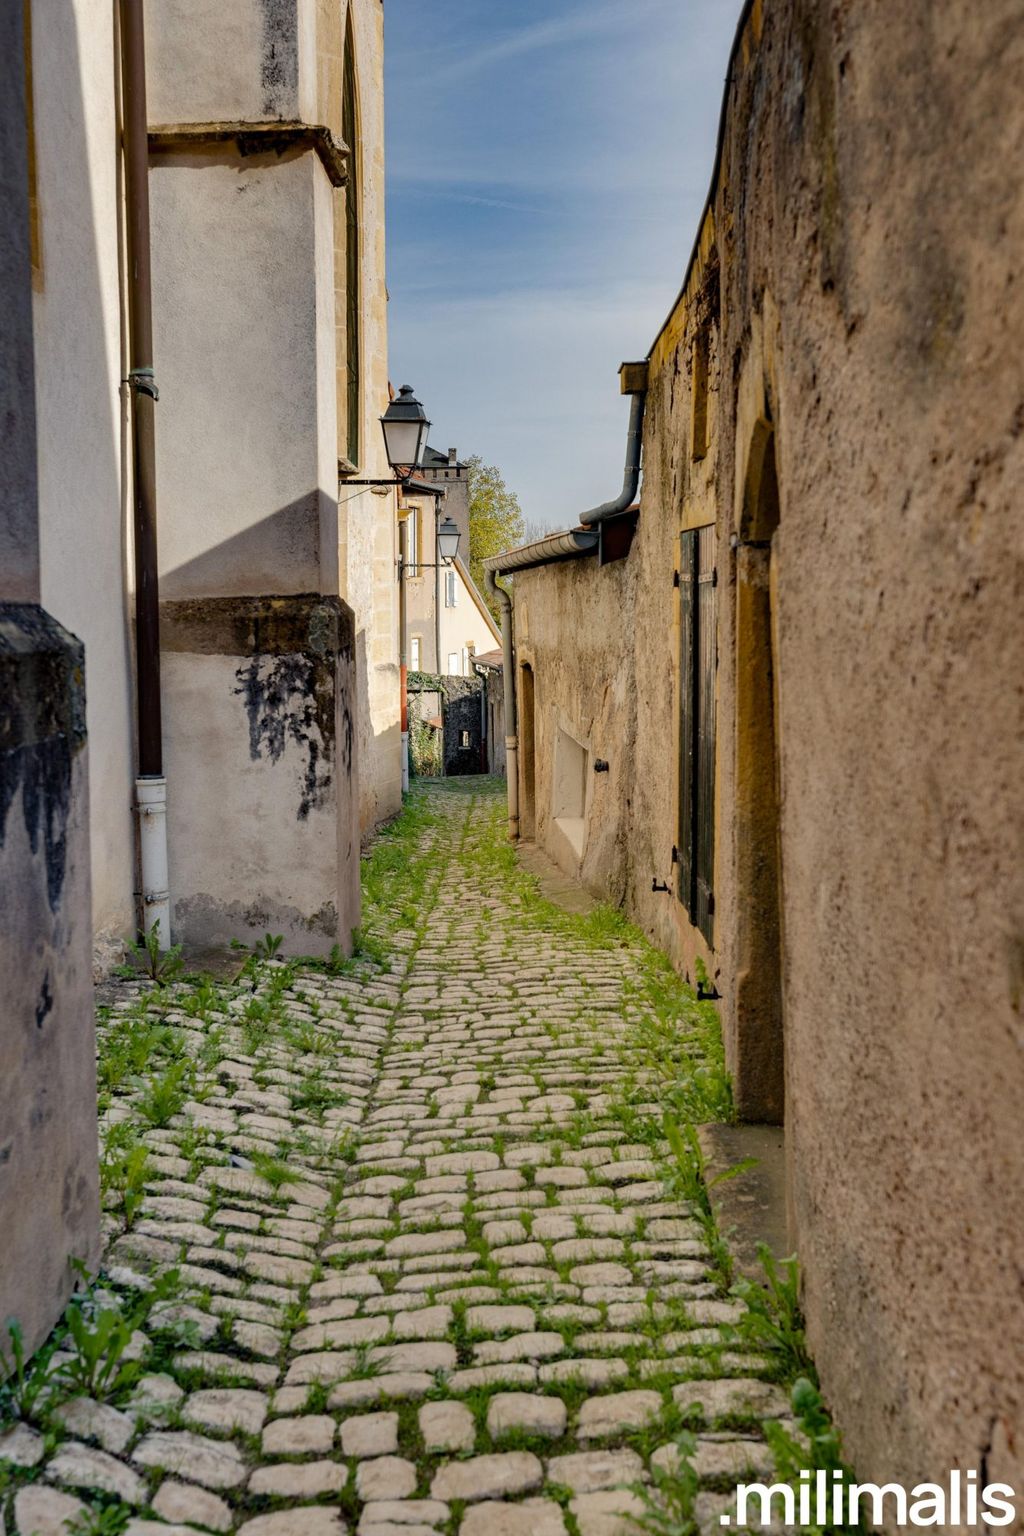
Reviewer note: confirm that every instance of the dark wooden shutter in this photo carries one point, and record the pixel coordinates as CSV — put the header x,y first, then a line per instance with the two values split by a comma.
x,y
687,702
698,640
706,648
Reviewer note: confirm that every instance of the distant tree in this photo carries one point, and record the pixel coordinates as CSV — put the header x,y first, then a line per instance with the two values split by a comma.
x,y
532,530
495,517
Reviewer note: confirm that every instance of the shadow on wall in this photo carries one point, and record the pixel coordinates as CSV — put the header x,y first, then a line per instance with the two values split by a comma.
x,y
287,554
49,1194
281,554
82,532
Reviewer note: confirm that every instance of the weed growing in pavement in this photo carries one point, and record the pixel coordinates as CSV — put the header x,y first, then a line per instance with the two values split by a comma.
x,y
101,1520
125,1167
670,1499
162,966
773,1321
165,1095
99,1336
688,1180
25,1391
815,1445
274,1170
88,1353
316,1094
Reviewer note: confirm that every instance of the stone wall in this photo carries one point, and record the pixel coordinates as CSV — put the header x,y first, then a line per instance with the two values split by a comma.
x,y
463,729
853,304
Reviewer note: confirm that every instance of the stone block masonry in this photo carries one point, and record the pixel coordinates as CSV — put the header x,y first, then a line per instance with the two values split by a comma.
x,y
431,1283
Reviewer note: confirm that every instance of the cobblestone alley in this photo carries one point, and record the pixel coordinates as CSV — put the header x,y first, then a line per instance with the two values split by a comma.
x,y
432,1272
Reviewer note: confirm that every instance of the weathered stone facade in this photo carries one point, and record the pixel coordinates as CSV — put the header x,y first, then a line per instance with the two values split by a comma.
x,y
836,395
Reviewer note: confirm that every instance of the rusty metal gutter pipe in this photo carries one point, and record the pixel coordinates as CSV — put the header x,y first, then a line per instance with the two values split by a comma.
x,y
150,784
509,681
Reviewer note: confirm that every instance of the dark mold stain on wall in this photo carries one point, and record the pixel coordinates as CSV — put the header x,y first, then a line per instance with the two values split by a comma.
x,y
42,678
279,60
297,649
291,699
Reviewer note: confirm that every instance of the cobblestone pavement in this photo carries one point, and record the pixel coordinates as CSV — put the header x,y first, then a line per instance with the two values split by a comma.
x,y
428,1283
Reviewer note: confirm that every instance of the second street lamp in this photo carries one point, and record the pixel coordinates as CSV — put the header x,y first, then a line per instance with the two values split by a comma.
x,y
448,536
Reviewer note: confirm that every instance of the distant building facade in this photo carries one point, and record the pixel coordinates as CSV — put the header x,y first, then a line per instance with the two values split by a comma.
x,y
448,620
779,718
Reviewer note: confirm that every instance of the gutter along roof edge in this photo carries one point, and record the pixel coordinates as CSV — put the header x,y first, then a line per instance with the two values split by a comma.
x,y
570,545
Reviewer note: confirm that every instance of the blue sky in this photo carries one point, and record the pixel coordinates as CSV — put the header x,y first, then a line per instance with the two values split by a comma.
x,y
547,164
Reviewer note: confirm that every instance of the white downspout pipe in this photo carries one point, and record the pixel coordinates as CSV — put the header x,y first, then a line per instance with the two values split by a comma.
x,y
151,801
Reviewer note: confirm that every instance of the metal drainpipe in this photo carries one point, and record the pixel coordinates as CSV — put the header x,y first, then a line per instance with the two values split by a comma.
x,y
631,475
403,566
509,681
150,784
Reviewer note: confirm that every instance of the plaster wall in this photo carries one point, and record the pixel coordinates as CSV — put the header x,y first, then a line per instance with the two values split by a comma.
x,y
368,538
77,323
868,242
585,691
872,289
260,693
250,61
243,478
464,625
262,825
49,1187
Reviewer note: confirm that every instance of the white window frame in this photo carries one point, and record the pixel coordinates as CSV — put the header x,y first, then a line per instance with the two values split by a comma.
x,y
453,663
451,589
412,520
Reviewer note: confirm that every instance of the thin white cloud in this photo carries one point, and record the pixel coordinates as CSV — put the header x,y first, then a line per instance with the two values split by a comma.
x,y
449,195
587,22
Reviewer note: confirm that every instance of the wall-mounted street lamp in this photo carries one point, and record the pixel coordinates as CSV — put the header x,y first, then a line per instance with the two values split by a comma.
x,y
405,427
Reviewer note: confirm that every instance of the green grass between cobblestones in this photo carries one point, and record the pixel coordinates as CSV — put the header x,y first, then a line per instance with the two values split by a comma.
x,y
167,1054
